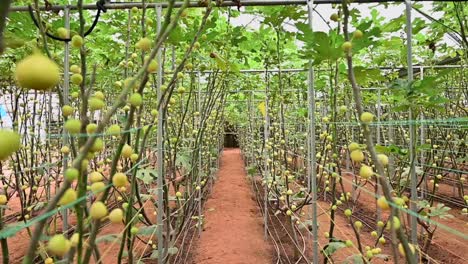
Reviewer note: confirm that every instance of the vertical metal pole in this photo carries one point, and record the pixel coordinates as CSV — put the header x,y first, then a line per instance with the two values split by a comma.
x,y
127,43
65,93
423,187
379,113
221,141
200,145
348,158
173,65
391,140
250,133
266,130
160,148
414,196
422,142
312,173
309,150
353,137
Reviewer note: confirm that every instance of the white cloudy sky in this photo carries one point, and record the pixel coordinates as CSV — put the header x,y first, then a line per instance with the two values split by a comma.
x,y
326,10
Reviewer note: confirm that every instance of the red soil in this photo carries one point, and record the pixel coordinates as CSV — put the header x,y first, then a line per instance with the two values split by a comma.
x,y
233,230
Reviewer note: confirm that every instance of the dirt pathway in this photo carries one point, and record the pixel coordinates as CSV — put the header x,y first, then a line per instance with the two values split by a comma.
x,y
234,231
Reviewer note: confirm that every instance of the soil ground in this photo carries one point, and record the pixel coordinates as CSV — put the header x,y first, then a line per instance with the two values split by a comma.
x,y
233,229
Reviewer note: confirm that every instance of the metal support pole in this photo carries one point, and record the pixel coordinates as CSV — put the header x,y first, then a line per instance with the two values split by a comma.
x,y
379,188
423,187
200,145
414,195
160,148
65,93
391,140
353,137
379,114
312,173
266,129
422,142
250,133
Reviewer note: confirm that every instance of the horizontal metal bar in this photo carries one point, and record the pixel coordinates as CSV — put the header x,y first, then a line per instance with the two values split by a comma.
x,y
224,4
318,70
